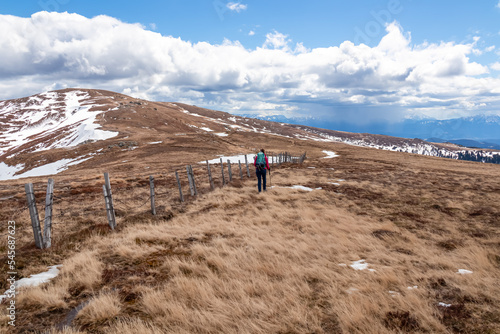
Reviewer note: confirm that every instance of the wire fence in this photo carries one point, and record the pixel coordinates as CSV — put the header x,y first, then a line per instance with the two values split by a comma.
x,y
199,175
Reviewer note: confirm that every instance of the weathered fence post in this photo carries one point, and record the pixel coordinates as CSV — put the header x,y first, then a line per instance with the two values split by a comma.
x,y
108,196
179,185
246,162
229,170
194,180
152,194
47,224
35,221
190,180
210,176
241,171
222,170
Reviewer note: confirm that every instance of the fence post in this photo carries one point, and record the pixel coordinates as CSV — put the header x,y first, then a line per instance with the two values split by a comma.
x,y
109,201
229,170
47,224
222,170
241,171
246,162
35,221
179,185
152,194
193,179
190,180
210,176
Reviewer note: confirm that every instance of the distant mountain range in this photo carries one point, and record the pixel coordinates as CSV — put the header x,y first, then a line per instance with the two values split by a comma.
x,y
475,132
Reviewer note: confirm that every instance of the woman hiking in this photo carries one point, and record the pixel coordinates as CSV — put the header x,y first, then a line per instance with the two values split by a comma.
x,y
261,167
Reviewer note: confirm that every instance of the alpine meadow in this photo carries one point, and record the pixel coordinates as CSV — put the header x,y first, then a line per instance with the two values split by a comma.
x,y
260,167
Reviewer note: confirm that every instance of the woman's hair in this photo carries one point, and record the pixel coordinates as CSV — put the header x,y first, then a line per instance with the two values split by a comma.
x,y
262,150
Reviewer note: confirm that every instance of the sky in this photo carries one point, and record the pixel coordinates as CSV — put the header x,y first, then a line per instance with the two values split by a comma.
x,y
353,61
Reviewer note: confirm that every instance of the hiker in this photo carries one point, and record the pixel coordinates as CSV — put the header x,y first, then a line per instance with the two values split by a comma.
x,y
261,167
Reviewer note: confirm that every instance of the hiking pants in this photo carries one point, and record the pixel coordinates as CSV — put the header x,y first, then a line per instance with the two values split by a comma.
x,y
261,176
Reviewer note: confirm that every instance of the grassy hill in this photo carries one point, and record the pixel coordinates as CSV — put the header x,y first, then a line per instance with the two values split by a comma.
x,y
378,249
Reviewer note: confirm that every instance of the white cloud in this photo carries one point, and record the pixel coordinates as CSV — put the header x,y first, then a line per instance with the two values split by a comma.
x,y
498,4
251,33
276,40
495,66
236,6
58,50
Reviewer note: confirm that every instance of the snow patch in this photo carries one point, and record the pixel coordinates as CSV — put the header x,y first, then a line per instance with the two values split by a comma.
x,y
443,304
206,129
35,280
48,169
155,142
233,159
330,154
221,134
464,272
360,265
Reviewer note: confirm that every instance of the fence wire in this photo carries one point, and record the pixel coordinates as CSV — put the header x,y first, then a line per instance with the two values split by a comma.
x,y
164,176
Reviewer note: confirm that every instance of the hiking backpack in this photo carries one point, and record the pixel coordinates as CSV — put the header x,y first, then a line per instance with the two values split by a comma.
x,y
261,161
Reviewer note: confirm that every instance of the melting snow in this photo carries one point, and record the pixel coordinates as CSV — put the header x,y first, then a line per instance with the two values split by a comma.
x,y
48,169
155,142
464,271
412,287
36,279
360,265
46,117
206,129
302,188
233,159
330,154
221,134
444,305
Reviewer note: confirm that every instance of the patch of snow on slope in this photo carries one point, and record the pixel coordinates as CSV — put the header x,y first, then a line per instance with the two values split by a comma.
x,y
233,159
221,134
48,169
464,272
206,129
7,172
330,154
35,280
57,113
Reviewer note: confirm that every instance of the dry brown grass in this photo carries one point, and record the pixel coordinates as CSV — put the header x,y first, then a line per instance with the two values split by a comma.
x,y
101,308
235,261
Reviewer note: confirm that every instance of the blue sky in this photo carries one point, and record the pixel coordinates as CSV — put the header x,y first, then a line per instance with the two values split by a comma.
x,y
340,59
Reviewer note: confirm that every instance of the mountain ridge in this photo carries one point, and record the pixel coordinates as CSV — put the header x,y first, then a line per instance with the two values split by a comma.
x,y
81,126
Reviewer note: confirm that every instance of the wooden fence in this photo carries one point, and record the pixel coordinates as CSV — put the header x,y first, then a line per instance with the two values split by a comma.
x,y
44,240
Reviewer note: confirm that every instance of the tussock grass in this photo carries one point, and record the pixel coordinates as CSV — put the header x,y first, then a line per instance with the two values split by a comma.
x,y
103,307
235,261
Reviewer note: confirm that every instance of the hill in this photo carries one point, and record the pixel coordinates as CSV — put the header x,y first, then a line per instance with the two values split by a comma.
x,y
371,241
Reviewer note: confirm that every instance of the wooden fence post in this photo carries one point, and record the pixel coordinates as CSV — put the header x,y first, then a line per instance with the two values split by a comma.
x,y
222,170
210,176
35,221
241,171
47,224
190,180
229,170
246,162
152,194
193,179
179,185
109,201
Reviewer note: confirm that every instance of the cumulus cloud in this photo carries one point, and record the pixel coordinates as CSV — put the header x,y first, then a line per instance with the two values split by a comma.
x,y
236,6
59,50
251,33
